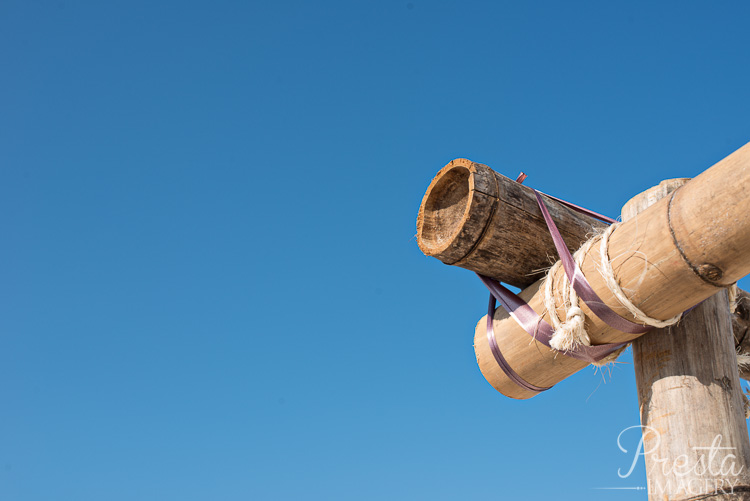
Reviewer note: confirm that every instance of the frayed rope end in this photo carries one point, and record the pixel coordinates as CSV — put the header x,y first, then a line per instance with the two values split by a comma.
x,y
572,332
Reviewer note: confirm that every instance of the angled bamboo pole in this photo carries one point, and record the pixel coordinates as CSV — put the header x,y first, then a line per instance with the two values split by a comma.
x,y
695,439
480,220
678,252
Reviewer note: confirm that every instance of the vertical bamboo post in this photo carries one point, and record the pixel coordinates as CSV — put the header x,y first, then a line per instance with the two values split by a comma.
x,y
695,438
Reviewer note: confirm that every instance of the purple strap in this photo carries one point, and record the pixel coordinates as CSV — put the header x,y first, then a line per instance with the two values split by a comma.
x,y
581,285
522,177
534,325
520,310
582,210
500,359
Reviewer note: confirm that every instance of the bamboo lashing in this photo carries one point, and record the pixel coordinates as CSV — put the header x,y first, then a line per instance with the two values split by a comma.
x,y
667,259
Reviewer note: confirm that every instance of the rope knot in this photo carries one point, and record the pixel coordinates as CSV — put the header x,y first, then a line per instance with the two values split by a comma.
x,y
572,332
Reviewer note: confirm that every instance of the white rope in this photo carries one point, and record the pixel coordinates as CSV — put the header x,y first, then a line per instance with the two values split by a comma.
x,y
609,278
571,333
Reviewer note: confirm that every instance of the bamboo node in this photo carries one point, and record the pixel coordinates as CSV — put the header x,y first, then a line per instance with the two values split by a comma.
x,y
710,272
572,333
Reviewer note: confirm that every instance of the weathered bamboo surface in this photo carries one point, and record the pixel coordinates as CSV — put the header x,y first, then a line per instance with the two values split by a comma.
x,y
678,252
477,219
691,408
690,397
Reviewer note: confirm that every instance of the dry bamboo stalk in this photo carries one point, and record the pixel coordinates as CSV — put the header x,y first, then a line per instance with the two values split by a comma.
x,y
673,255
477,219
689,393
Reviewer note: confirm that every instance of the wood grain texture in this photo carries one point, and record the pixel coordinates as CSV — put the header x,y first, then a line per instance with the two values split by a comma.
x,y
659,274
480,220
689,393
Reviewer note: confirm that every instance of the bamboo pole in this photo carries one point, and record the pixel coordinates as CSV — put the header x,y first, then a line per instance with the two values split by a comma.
x,y
690,397
477,219
678,252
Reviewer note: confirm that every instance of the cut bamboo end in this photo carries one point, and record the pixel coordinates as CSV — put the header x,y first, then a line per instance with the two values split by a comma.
x,y
453,213
480,220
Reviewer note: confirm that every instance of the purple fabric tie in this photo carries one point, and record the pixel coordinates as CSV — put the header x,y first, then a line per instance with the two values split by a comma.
x,y
534,325
581,285
500,359
582,210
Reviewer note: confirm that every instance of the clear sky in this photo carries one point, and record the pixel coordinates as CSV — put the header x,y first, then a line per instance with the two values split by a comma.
x,y
210,286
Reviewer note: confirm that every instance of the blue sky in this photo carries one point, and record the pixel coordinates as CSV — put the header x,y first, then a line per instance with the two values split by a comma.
x,y
210,283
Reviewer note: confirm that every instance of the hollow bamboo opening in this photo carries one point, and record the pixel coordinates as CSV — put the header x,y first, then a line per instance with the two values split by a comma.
x,y
444,210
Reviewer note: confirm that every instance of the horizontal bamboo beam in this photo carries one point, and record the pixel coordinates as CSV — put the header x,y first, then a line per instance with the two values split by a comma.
x,y
480,220
673,255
